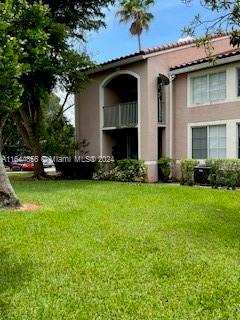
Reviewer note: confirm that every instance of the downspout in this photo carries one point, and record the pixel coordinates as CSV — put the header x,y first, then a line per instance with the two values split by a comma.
x,y
171,131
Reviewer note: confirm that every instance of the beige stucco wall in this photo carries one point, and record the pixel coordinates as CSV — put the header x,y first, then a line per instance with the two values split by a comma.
x,y
185,114
87,115
88,105
160,64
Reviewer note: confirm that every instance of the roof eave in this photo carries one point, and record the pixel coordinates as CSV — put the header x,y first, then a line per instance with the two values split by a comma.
x,y
117,64
205,65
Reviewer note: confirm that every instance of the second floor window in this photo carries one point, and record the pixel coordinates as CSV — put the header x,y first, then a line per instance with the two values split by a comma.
x,y
208,88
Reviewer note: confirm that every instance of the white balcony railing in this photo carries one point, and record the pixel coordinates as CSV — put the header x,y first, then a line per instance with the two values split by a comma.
x,y
121,116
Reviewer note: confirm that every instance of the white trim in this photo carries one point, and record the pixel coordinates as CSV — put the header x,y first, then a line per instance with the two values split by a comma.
x,y
122,127
101,105
231,85
139,118
231,136
109,128
171,78
117,64
207,73
149,163
236,81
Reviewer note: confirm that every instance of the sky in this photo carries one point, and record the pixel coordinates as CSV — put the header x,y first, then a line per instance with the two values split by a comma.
x,y
170,17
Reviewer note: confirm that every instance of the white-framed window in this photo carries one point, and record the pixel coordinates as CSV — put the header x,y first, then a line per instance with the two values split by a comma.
x,y
209,142
208,88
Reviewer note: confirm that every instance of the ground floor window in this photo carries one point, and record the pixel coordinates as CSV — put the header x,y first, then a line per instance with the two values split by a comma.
x,y
209,142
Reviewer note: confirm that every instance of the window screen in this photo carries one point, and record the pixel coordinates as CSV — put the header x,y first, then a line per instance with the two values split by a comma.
x,y
209,88
217,142
199,143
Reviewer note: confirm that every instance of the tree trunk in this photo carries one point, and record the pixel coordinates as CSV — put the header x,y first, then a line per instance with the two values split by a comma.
x,y
139,43
8,198
28,124
39,172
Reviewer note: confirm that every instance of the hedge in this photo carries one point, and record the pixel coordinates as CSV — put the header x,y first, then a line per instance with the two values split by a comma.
x,y
127,170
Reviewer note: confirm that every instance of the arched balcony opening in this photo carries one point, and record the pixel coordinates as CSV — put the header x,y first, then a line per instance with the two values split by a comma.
x,y
120,108
120,116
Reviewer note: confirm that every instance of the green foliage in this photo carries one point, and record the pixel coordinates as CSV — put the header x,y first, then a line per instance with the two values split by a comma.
x,y
11,68
28,27
46,31
130,170
23,44
127,170
13,144
225,18
187,171
164,165
224,173
58,136
104,171
79,16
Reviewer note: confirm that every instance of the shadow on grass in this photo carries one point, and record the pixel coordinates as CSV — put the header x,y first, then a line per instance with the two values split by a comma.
x,y
52,185
13,275
218,224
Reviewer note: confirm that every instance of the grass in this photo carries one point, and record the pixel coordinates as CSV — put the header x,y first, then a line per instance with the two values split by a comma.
x,y
100,250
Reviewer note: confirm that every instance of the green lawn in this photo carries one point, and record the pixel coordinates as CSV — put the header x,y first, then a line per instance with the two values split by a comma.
x,y
100,250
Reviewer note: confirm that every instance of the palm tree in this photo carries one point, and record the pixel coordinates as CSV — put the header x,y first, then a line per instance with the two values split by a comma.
x,y
135,11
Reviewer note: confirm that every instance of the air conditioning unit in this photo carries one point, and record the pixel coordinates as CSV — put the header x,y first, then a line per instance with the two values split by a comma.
x,y
201,174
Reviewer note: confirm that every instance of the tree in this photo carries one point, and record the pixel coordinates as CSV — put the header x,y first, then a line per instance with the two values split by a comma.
x,y
226,18
58,134
10,92
135,11
67,20
12,68
12,142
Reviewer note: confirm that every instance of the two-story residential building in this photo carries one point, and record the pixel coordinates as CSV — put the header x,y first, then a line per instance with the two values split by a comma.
x,y
165,101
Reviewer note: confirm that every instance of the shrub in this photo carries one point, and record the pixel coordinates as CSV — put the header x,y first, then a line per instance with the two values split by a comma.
x,y
164,168
215,178
187,171
103,170
75,170
127,170
224,173
130,170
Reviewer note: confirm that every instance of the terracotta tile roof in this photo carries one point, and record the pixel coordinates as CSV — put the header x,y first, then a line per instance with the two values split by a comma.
x,y
179,44
122,58
157,49
222,55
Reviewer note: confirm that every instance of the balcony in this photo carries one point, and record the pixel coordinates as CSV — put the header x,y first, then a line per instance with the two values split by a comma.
x,y
123,115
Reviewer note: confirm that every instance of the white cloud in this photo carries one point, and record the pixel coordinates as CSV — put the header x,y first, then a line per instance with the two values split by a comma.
x,y
185,39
